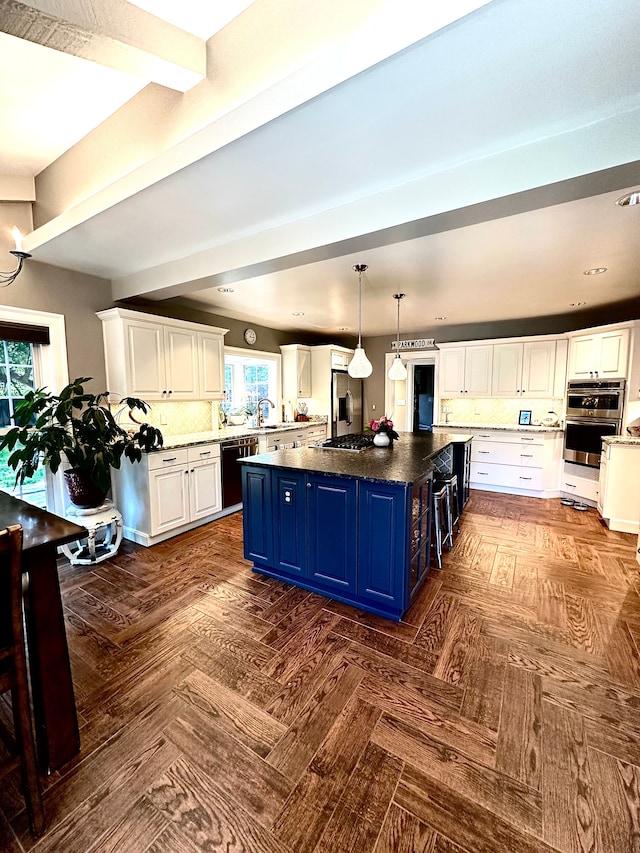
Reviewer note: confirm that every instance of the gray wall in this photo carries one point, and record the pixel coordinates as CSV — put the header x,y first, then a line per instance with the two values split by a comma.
x,y
268,340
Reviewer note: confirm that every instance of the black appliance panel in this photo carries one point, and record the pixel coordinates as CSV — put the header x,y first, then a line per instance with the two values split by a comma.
x,y
230,452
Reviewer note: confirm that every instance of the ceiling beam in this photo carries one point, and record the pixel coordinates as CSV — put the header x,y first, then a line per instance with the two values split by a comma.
x,y
114,33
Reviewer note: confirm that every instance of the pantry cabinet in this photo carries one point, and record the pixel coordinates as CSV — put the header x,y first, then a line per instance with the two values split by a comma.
x,y
158,359
599,355
466,371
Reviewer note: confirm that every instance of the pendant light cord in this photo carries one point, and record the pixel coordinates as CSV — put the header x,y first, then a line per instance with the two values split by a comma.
x,y
360,268
398,297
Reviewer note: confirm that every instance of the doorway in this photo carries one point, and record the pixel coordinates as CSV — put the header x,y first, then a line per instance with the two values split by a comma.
x,y
423,397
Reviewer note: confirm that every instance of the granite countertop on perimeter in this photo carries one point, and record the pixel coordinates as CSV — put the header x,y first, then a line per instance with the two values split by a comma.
x,y
407,461
230,432
502,427
622,439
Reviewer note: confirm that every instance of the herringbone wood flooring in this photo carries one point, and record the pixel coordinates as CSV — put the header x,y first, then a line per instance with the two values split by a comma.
x,y
222,711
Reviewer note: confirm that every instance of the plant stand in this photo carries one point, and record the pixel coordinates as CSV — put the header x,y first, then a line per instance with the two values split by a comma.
x,y
104,526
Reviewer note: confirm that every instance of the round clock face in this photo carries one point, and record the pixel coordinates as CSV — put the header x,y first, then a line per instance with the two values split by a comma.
x,y
250,336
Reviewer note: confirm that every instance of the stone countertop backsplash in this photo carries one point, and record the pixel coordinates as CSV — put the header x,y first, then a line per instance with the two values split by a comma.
x,y
498,427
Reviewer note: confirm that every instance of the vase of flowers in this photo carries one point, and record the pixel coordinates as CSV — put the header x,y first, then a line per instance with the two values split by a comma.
x,y
383,430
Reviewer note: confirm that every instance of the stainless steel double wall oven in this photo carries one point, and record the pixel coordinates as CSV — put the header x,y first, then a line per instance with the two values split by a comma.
x,y
594,411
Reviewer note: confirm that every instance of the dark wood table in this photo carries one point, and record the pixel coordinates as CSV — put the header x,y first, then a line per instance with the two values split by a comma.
x,y
54,707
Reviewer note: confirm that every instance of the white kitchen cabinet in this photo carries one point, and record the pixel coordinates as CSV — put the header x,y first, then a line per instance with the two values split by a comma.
x,y
211,365
601,355
324,359
296,371
524,369
465,371
619,498
158,359
169,492
515,462
303,435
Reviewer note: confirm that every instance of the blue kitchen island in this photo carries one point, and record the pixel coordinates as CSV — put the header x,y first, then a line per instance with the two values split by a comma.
x,y
355,527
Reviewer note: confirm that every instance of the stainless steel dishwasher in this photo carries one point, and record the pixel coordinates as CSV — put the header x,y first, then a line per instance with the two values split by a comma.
x,y
230,452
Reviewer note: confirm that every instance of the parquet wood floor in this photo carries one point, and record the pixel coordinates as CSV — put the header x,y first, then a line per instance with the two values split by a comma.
x,y
222,711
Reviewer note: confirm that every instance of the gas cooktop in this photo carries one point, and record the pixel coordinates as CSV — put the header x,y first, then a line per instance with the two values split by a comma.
x,y
354,441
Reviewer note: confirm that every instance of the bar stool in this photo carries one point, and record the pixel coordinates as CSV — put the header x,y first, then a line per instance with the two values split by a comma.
x,y
13,676
441,528
453,500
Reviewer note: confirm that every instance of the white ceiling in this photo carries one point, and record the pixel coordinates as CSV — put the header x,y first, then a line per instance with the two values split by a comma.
x,y
455,169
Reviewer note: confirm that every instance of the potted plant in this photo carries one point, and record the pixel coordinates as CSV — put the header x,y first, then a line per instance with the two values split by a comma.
x,y
81,428
384,431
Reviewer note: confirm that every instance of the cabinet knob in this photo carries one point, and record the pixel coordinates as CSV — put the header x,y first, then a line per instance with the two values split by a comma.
x,y
308,485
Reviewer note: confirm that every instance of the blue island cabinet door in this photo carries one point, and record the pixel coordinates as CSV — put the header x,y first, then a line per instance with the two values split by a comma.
x,y
383,546
290,516
332,526
257,517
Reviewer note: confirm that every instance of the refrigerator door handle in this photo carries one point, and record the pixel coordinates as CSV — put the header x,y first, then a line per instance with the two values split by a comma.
x,y
349,397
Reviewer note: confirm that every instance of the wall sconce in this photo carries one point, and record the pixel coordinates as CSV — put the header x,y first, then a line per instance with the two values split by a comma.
x,y
6,278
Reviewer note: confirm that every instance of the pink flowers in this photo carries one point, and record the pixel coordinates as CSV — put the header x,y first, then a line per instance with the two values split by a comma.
x,y
384,424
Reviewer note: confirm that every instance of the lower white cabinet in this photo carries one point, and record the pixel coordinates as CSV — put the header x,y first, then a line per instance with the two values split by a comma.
x,y
304,435
514,462
169,492
619,498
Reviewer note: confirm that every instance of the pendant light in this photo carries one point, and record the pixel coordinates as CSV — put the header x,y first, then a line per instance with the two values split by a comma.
x,y
397,371
359,367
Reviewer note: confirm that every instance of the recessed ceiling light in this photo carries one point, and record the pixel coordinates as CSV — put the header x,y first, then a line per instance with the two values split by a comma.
x,y
595,271
297,314
576,304
630,198
225,290
440,318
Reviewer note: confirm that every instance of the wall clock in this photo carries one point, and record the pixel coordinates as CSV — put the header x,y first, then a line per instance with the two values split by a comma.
x,y
250,336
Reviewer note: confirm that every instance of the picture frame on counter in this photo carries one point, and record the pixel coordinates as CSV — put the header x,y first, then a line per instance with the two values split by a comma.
x,y
525,417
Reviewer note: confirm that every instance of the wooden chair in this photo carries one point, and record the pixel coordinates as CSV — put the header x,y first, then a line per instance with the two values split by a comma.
x,y
13,676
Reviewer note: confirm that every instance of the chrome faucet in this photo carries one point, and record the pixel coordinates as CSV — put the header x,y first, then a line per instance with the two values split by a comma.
x,y
260,415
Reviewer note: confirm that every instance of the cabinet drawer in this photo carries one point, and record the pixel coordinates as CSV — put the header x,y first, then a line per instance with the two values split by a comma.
x,y
513,476
202,452
508,437
578,487
532,456
168,458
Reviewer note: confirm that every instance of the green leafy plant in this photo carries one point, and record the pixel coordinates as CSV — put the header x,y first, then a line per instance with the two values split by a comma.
x,y
79,427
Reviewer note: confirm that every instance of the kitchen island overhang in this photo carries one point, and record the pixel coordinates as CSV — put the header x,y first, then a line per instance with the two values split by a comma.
x,y
355,527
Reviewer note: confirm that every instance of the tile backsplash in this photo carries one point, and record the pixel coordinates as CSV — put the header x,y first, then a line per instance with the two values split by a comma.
x,y
497,410
181,418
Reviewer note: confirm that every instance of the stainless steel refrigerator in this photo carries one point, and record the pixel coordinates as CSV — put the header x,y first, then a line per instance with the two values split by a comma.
x,y
346,403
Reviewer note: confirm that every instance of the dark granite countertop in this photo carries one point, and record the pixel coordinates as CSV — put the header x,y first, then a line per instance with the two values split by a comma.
x,y
407,461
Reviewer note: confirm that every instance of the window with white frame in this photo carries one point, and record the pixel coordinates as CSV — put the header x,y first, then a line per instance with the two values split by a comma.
x,y
248,379
17,377
45,366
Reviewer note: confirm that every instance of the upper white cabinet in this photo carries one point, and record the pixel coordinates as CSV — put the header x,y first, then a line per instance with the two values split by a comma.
x,y
524,369
599,355
466,370
157,359
296,371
